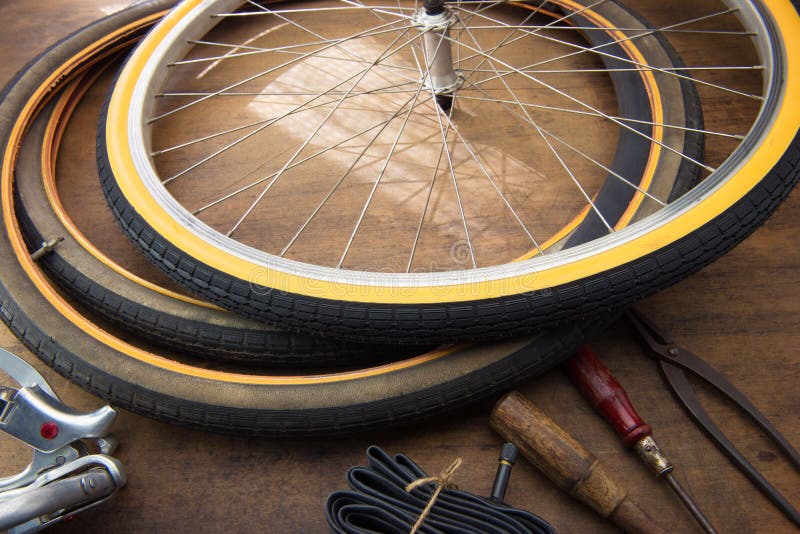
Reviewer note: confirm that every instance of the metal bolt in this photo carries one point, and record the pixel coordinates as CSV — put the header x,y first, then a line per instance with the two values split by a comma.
x,y
49,430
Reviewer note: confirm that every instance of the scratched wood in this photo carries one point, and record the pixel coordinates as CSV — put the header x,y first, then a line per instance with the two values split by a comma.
x,y
742,314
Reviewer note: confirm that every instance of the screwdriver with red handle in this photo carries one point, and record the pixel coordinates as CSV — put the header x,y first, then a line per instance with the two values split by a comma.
x,y
600,387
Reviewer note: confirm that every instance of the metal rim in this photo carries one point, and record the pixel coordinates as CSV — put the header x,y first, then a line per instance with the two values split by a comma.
x,y
752,16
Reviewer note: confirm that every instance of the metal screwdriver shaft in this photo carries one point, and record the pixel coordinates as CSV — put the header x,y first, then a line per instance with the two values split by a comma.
x,y
600,387
690,504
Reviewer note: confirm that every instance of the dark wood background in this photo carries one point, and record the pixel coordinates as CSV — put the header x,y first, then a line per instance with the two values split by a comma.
x,y
741,314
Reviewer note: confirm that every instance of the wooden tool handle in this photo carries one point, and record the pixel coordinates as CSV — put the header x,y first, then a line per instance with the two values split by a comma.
x,y
600,387
547,446
566,462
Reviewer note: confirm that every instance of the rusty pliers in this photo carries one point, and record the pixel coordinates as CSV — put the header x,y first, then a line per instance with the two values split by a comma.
x,y
674,360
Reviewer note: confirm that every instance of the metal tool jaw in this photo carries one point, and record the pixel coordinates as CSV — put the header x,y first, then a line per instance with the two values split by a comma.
x,y
60,436
675,361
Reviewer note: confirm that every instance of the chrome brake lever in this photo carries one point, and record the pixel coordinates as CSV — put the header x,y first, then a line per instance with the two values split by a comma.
x,y
58,435
98,477
23,373
44,423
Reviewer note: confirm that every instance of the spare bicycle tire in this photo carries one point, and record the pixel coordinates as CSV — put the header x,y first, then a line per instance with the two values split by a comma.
x,y
161,317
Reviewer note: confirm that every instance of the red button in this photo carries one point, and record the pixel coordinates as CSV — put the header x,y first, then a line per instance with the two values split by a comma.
x,y
49,430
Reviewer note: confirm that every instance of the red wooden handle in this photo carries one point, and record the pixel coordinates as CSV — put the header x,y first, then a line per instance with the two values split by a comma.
x,y
600,387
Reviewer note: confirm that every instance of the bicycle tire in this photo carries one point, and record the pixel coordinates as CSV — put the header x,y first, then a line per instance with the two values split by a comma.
x,y
160,316
181,393
313,299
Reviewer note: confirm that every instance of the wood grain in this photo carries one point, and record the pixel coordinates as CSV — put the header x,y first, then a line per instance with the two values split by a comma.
x,y
741,314
554,452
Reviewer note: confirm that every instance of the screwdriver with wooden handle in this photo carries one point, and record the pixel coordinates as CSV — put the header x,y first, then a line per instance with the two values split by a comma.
x,y
604,392
567,463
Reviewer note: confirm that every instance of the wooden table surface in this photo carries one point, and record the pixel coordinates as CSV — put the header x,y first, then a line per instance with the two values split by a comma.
x,y
741,314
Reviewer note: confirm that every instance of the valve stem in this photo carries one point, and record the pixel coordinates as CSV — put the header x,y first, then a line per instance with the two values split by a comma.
x,y
508,457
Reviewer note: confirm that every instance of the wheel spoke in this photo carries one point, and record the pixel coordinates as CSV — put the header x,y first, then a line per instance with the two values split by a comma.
x,y
381,9
377,14
483,168
302,107
501,73
228,131
297,109
360,76
293,165
596,50
427,203
574,179
641,69
604,167
318,56
376,10
384,90
589,107
378,180
414,103
669,28
279,14
593,114
575,149
550,26
555,153
507,39
263,73
464,24
252,50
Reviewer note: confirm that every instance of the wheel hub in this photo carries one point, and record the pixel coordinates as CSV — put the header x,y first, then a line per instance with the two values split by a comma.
x,y
434,21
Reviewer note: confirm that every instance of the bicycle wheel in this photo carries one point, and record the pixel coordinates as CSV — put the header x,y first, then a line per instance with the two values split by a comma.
x,y
131,302
205,396
245,259
651,170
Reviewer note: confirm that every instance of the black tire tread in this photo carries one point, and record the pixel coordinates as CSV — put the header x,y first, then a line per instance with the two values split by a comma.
x,y
181,326
433,323
505,374
544,309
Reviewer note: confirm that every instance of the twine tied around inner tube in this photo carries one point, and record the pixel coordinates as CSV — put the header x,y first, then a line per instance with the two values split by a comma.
x,y
443,480
381,498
